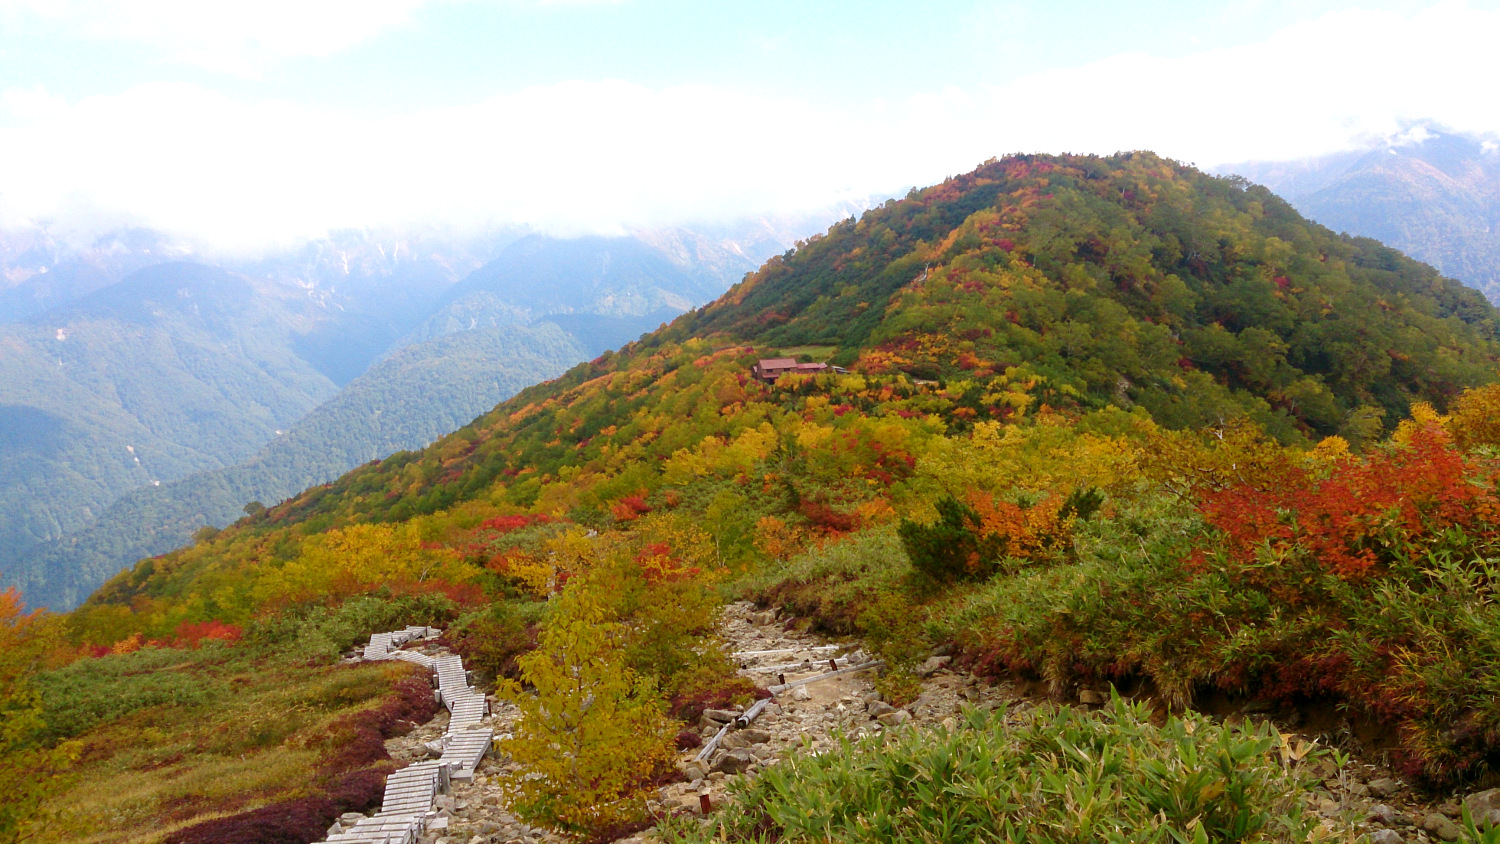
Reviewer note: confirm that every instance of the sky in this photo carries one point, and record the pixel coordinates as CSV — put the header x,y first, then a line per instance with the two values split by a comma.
x,y
242,126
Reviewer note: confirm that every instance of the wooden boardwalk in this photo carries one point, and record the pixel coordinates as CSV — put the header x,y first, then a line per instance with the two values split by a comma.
x,y
411,792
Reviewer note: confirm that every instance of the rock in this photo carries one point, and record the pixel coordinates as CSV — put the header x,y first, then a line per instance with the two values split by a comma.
x,y
1484,806
801,693
1384,814
877,708
744,738
733,762
720,716
693,770
1384,786
334,830
1090,697
1439,825
933,665
1386,836
1257,707
895,719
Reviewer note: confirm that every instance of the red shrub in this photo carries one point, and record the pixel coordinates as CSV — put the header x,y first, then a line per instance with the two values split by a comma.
x,y
191,634
630,507
827,518
1363,507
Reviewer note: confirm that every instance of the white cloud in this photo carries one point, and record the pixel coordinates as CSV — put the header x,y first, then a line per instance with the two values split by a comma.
x,y
230,37
607,154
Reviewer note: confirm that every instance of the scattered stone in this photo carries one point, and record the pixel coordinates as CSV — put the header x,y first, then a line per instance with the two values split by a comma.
x,y
1386,836
877,708
1440,825
335,829
801,693
1384,786
1090,698
895,719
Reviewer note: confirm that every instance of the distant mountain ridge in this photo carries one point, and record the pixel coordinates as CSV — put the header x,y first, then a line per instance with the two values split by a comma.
x,y
1431,193
404,402
441,330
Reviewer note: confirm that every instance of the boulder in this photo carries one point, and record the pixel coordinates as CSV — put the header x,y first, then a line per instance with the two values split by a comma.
x,y
744,738
801,693
693,770
895,719
933,665
1438,824
1090,697
720,716
1383,814
1484,807
1386,836
1384,786
734,762
877,708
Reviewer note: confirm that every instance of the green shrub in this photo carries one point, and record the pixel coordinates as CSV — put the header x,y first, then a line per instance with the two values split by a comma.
x,y
491,639
319,632
950,548
834,584
1052,775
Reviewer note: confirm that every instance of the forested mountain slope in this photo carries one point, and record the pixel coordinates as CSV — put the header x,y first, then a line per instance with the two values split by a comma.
x,y
1433,194
330,310
404,402
1035,284
178,368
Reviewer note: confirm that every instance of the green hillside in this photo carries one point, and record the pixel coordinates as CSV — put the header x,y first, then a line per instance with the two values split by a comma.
x,y
177,369
1106,422
404,402
1434,195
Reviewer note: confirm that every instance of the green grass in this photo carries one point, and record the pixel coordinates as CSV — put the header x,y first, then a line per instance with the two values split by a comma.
x,y
818,353
1046,775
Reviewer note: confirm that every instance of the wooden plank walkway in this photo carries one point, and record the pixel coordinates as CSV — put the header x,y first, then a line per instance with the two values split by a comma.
x,y
410,793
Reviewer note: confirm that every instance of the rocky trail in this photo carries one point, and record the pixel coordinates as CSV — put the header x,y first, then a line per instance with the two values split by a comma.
x,y
1362,802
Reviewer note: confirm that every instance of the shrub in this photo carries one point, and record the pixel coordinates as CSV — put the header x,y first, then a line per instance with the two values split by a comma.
x,y
948,549
320,632
1055,775
490,641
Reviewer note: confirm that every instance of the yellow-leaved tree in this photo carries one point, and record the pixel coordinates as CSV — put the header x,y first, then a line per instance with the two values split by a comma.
x,y
592,740
31,769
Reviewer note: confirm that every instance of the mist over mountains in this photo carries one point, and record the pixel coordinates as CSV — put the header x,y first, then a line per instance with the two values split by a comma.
x,y
146,392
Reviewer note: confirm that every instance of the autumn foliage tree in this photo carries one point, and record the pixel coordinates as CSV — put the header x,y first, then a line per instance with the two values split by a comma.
x,y
592,738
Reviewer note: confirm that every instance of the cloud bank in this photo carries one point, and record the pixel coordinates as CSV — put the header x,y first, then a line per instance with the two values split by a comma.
x,y
600,154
